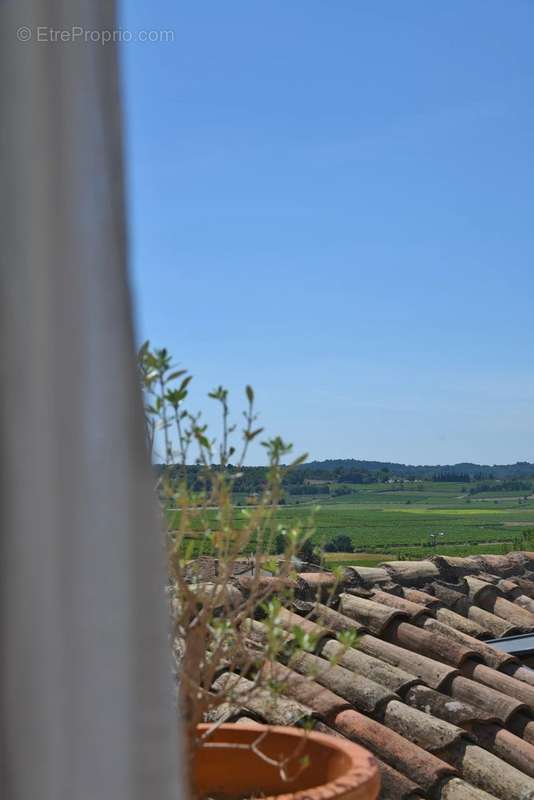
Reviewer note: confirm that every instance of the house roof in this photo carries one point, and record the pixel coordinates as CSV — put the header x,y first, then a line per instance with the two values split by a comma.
x,y
447,715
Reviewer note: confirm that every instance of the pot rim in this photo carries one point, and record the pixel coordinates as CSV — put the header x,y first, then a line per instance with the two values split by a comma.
x,y
361,776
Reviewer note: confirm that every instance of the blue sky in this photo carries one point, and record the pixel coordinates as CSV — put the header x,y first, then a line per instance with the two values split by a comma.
x,y
333,201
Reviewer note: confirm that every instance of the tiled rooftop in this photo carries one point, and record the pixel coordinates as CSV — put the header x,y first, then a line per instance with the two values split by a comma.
x,y
447,715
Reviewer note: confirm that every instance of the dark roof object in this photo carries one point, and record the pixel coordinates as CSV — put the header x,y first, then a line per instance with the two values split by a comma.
x,y
520,645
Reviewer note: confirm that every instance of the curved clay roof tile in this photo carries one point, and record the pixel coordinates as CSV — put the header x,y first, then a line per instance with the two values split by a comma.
x,y
393,784
462,624
423,598
526,585
501,682
414,610
490,655
493,702
506,745
334,620
433,673
364,694
506,565
393,678
309,693
274,709
457,789
412,573
481,591
375,616
441,705
511,612
423,767
525,602
430,643
492,774
424,730
520,673
495,625
452,567
368,576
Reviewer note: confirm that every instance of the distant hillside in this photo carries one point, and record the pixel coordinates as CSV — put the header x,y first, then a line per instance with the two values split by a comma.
x,y
521,469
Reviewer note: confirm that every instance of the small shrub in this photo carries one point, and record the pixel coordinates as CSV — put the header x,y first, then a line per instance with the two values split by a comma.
x,y
225,616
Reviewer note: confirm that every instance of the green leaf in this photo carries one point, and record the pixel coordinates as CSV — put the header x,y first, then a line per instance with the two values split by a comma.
x,y
249,435
176,374
185,383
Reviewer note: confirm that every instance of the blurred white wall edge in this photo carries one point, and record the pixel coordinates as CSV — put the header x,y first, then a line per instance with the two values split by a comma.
x,y
85,681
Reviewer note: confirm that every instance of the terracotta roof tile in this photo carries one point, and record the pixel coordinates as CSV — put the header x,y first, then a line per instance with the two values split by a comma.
x,y
431,644
525,602
520,673
424,730
449,594
266,583
501,566
424,768
364,694
461,603
319,578
414,610
433,673
490,700
393,785
500,682
412,573
453,567
203,568
422,681
492,774
480,591
486,576
353,658
275,709
492,657
368,576
506,745
506,565
457,789
445,707
526,585
418,596
495,625
522,726
462,624
320,585
374,616
508,587
289,620
332,619
222,597
311,694
512,613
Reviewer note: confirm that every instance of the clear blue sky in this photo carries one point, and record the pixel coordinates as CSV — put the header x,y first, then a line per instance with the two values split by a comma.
x,y
333,201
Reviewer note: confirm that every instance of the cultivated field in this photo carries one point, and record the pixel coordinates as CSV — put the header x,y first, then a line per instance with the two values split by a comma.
x,y
404,520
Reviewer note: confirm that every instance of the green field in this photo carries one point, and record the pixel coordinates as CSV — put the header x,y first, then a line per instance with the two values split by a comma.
x,y
397,520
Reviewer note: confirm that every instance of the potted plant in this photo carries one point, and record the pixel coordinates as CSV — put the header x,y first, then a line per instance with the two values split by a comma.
x,y
223,574
242,761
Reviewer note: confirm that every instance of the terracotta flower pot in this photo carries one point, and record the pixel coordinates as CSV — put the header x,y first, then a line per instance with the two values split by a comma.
x,y
333,767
